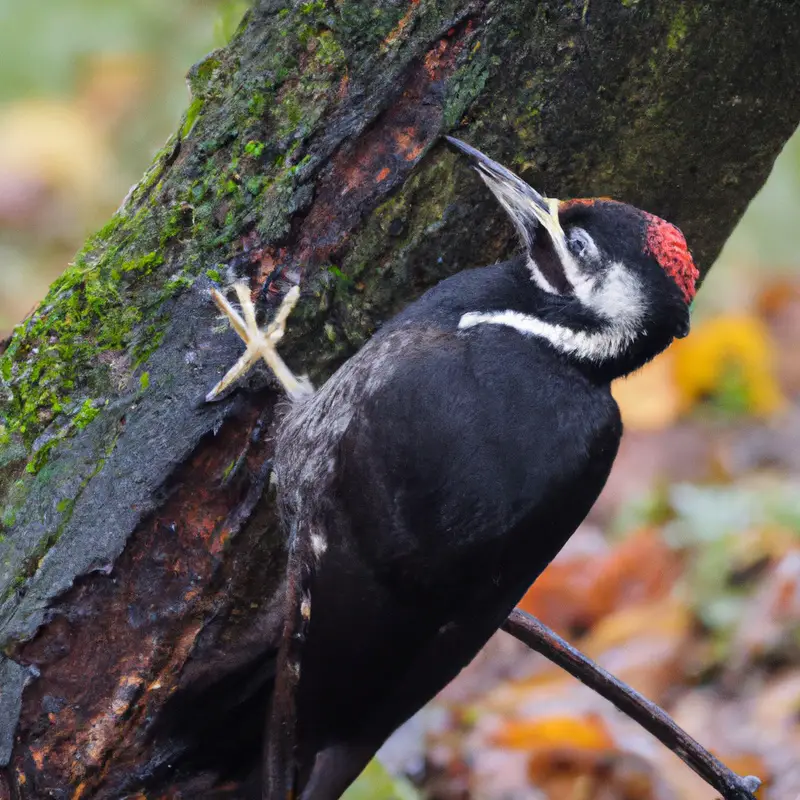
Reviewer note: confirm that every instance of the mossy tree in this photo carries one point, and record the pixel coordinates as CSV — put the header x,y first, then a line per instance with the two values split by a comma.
x,y
140,561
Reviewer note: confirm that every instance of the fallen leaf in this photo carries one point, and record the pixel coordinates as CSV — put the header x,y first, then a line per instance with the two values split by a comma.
x,y
571,733
772,617
582,775
644,645
578,590
730,358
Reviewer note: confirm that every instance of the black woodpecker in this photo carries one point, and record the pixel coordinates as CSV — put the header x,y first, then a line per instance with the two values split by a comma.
x,y
432,478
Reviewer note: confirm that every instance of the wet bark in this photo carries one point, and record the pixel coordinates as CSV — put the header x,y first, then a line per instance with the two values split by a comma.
x,y
140,559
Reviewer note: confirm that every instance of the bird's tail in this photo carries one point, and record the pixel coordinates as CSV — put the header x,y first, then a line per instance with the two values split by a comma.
x,y
281,773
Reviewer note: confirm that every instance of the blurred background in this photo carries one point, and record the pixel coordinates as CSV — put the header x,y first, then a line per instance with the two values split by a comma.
x,y
685,581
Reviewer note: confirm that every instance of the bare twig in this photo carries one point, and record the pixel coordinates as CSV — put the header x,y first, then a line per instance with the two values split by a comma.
x,y
540,638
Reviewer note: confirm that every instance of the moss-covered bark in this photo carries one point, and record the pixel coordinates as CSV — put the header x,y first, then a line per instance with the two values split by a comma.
x,y
139,557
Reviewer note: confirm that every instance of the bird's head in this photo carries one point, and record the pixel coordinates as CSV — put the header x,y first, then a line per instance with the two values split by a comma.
x,y
616,279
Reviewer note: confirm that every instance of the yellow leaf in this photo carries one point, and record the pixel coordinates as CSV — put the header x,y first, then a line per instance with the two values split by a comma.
x,y
644,645
737,344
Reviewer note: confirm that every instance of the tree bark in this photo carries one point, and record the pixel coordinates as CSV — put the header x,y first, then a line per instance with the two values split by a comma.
x,y
140,557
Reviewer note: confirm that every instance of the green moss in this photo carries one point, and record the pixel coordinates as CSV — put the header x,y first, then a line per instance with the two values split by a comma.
x,y
149,341
328,52
312,7
88,411
53,368
678,29
463,88
9,517
254,185
257,104
144,381
254,149
144,265
364,25
66,505
201,75
288,114
39,458
226,473
174,286
214,275
191,116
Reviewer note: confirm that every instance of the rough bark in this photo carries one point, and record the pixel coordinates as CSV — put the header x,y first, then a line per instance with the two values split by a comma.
x,y
140,560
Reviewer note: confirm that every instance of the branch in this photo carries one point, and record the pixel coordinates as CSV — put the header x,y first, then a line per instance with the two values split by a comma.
x,y
531,632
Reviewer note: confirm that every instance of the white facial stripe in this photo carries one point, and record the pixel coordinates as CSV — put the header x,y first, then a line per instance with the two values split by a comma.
x,y
598,346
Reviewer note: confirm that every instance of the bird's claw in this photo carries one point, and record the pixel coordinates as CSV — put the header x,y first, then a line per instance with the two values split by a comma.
x,y
260,343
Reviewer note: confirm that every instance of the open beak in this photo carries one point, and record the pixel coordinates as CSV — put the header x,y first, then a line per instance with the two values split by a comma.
x,y
525,205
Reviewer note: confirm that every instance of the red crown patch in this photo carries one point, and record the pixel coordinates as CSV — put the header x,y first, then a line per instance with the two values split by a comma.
x,y
668,246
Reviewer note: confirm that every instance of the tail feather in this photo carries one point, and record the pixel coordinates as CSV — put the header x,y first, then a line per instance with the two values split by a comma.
x,y
281,768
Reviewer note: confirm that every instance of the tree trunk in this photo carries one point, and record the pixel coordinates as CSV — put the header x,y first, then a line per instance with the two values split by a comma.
x,y
140,557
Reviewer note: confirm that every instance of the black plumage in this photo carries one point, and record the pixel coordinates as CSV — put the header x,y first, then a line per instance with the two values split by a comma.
x,y
428,483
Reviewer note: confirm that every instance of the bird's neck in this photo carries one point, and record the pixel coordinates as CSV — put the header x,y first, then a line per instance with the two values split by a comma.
x,y
604,349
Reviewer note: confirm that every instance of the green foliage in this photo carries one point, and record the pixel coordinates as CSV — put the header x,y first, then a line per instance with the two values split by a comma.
x,y
230,17
732,396
710,521
375,783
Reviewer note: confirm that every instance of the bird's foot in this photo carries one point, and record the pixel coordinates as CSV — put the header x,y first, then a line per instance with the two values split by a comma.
x,y
261,343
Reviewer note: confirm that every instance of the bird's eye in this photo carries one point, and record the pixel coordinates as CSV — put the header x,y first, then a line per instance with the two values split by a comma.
x,y
580,243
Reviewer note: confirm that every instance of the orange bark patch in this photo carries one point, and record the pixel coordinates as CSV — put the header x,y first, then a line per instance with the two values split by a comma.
x,y
404,22
382,156
344,86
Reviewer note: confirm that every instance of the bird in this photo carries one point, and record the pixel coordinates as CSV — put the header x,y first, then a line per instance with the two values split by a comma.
x,y
431,479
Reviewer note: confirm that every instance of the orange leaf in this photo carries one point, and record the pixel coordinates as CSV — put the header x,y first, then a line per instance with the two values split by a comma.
x,y
579,733
576,591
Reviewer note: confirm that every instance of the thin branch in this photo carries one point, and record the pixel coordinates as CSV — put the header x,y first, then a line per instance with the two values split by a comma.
x,y
540,638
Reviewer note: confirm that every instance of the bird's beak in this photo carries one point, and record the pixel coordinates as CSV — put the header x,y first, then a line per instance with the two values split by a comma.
x,y
525,205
